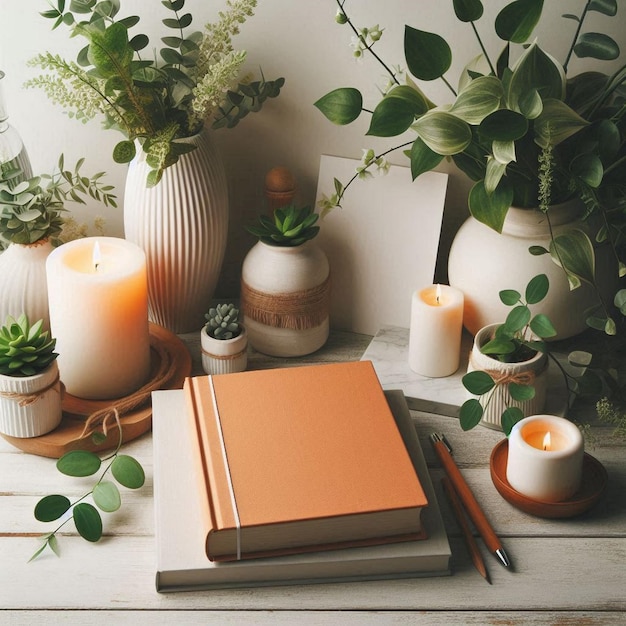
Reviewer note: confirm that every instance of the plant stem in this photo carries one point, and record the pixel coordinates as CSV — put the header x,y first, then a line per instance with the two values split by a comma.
x,y
482,47
449,86
575,39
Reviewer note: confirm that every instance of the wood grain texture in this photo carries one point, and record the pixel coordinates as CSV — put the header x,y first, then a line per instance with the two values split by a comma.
x,y
568,572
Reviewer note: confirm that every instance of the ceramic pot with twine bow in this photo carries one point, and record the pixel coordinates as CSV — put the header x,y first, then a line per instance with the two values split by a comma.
x,y
533,372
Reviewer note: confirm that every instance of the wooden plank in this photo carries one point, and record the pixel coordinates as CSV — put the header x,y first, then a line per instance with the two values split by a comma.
x,y
120,572
317,618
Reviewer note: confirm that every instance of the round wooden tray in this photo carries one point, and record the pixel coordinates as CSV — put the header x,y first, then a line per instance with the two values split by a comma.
x,y
593,484
68,435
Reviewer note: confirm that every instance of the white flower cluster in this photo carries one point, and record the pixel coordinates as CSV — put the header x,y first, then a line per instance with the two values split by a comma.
x,y
365,39
370,161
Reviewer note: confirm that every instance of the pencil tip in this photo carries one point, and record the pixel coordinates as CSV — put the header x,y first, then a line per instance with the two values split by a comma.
x,y
503,558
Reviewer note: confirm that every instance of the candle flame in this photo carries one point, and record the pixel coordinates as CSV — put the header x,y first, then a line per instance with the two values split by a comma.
x,y
97,255
438,294
547,441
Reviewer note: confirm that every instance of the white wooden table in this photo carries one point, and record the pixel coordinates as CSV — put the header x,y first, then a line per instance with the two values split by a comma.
x,y
566,572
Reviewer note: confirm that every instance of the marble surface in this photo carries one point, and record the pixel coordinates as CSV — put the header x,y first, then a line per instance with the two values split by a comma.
x,y
388,351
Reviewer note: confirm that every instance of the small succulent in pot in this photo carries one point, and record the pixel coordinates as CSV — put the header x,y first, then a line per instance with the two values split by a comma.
x,y
291,226
25,350
223,322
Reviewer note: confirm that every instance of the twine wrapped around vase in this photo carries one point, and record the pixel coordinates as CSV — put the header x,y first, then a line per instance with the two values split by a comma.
x,y
26,399
298,310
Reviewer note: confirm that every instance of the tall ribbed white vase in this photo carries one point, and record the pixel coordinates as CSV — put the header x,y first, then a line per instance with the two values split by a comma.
x,y
182,225
23,284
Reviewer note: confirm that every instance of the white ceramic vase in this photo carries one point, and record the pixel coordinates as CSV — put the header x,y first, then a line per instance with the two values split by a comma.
x,y
496,401
23,284
224,356
483,262
285,298
182,225
31,405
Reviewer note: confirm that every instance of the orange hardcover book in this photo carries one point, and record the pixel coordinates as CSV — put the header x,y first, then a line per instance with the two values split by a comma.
x,y
299,459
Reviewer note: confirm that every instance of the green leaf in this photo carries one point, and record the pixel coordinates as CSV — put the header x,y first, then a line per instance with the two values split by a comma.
x,y
342,105
480,98
128,472
498,346
596,46
88,521
573,251
510,297
391,117
490,208
504,125
79,463
443,132
423,159
139,42
606,7
537,289
517,318
470,414
468,10
588,167
493,174
542,326
428,55
411,95
106,495
110,51
518,19
51,508
556,123
124,151
521,393
510,417
478,382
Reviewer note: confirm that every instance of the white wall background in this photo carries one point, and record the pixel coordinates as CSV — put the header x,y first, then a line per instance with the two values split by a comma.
x,y
297,39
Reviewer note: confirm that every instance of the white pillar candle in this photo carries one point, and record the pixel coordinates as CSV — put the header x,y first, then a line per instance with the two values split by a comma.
x,y
435,335
99,316
545,458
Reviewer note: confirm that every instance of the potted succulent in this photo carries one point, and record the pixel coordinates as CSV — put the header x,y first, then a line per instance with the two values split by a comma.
x,y
176,197
528,133
224,341
508,364
285,284
31,221
30,389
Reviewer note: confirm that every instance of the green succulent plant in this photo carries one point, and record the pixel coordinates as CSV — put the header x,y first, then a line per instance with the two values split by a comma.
x,y
223,322
291,226
25,350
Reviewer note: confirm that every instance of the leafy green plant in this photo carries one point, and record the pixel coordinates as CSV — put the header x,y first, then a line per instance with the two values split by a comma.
x,y
25,350
155,99
517,340
125,469
524,131
31,210
223,322
291,226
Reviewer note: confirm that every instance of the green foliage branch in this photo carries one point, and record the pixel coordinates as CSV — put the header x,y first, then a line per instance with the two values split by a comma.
x,y
517,340
156,100
526,133
125,469
31,210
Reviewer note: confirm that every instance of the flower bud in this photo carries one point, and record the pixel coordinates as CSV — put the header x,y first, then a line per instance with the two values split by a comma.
x,y
341,17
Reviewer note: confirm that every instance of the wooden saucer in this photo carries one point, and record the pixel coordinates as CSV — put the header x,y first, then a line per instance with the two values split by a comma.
x,y
593,484
67,436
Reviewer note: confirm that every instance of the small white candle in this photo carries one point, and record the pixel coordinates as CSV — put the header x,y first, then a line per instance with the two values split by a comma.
x,y
97,291
435,335
545,458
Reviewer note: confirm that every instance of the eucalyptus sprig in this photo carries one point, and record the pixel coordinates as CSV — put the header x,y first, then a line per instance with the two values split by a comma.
x,y
125,469
518,339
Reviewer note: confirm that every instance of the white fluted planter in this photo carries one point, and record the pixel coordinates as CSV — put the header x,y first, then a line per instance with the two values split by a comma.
x,y
23,284
182,225
285,298
497,400
483,262
31,405
224,356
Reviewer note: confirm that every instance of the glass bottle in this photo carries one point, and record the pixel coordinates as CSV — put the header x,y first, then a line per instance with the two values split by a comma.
x,y
13,154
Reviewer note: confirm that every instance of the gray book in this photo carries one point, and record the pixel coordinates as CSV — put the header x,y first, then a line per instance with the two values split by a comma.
x,y
182,564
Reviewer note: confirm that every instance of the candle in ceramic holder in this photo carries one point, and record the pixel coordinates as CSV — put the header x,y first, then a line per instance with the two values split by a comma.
x,y
435,335
97,290
545,458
